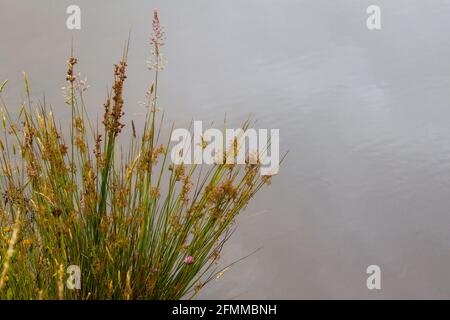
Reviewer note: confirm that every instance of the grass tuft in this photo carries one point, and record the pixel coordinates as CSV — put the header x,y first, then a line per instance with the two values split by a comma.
x,y
137,226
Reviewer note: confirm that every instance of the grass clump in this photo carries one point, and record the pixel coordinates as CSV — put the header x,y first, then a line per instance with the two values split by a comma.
x,y
137,226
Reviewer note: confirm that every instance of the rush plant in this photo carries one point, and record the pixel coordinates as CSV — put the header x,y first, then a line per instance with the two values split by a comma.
x,y
137,226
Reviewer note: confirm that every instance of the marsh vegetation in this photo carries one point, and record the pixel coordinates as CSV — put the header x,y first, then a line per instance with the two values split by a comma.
x,y
137,225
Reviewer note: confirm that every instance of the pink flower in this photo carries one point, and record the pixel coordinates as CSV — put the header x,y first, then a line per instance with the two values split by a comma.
x,y
189,260
158,31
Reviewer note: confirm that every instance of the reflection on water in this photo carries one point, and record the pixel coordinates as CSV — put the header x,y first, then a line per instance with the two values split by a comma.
x,y
364,115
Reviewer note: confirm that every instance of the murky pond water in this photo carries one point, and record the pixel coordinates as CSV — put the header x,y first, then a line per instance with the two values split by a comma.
x,y
365,115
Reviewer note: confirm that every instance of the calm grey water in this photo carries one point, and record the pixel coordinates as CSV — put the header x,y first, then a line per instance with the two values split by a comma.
x,y
365,115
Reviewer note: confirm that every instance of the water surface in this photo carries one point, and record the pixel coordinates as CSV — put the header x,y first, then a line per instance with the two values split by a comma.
x,y
364,114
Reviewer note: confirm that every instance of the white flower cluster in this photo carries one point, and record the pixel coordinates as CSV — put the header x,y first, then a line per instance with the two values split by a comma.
x,y
80,85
